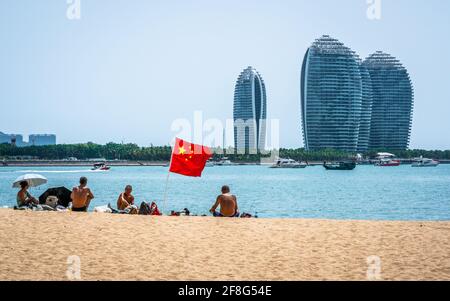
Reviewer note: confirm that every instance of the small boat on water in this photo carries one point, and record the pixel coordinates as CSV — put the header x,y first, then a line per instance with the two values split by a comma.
x,y
425,162
288,163
101,166
388,163
224,162
340,165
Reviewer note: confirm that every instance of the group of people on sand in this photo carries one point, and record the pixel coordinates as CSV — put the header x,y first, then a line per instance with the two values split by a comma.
x,y
82,196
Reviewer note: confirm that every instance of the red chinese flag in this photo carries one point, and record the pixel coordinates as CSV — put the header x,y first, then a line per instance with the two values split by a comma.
x,y
189,159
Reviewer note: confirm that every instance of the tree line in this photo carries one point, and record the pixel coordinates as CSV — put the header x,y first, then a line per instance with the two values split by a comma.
x,y
133,152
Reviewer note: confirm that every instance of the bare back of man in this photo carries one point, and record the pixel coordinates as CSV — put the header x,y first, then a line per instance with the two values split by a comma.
x,y
227,202
81,197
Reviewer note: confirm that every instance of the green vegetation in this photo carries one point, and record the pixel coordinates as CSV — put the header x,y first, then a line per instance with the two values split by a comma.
x,y
110,151
133,152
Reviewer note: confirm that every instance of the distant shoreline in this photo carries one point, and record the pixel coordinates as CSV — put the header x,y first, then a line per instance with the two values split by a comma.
x,y
87,163
57,163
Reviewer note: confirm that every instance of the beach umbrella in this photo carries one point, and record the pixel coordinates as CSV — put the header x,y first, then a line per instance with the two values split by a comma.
x,y
33,180
62,193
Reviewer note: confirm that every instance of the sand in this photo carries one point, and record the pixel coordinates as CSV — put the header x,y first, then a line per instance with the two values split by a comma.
x,y
36,246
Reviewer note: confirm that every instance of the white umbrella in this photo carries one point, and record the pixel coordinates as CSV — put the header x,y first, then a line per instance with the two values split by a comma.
x,y
33,180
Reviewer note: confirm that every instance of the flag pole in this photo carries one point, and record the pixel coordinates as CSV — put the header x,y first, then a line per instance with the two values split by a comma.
x,y
167,181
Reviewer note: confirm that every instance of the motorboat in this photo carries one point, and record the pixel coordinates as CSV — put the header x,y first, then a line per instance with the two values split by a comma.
x,y
224,162
388,163
288,163
101,166
340,165
425,162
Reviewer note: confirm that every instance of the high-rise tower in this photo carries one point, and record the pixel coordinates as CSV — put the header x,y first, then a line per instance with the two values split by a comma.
x,y
331,96
250,112
392,104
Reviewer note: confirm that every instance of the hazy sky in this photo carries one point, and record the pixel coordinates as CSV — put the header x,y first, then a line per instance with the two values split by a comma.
x,y
128,68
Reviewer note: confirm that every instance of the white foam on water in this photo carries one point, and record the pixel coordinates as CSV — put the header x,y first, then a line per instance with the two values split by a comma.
x,y
59,171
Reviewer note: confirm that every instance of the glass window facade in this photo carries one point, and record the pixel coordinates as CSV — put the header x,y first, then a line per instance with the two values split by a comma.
x,y
393,98
351,105
250,112
332,96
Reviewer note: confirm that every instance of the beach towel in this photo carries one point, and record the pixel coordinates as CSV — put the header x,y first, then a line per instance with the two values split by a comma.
x,y
103,209
184,212
34,207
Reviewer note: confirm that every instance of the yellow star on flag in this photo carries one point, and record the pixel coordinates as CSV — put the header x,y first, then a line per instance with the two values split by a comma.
x,y
181,150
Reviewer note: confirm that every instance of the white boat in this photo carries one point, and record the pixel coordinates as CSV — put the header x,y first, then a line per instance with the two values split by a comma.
x,y
101,166
224,162
425,162
288,163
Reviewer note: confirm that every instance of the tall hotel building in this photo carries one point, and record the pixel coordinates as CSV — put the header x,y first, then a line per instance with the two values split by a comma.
x,y
250,112
331,96
352,105
392,105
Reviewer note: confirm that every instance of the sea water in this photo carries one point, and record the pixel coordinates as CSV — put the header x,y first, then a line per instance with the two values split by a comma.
x,y
366,193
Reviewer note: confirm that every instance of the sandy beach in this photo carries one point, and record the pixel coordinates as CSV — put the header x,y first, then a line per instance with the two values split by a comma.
x,y
36,246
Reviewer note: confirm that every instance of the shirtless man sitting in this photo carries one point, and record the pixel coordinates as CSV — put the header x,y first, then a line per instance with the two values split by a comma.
x,y
81,196
228,204
126,201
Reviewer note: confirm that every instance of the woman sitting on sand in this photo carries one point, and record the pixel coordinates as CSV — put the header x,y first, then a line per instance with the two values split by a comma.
x,y
24,198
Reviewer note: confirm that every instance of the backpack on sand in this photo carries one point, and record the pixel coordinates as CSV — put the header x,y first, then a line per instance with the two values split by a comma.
x,y
147,209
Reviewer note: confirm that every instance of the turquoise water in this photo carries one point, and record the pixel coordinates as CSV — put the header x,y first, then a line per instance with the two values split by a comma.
x,y
368,192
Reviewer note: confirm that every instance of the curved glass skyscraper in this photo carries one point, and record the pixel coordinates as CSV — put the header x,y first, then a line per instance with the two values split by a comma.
x,y
250,112
366,110
331,96
392,106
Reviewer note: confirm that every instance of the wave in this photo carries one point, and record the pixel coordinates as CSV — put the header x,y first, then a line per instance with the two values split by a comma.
x,y
59,171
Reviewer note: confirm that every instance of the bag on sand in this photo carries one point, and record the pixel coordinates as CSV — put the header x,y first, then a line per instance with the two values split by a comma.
x,y
147,209
52,201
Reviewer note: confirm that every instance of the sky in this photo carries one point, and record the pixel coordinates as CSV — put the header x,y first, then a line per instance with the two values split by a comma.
x,y
126,69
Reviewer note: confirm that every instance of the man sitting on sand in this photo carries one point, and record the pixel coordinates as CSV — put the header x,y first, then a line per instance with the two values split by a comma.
x,y
81,196
125,201
228,204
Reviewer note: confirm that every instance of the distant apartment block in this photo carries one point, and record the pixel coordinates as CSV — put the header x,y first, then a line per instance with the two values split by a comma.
x,y
15,139
36,139
39,140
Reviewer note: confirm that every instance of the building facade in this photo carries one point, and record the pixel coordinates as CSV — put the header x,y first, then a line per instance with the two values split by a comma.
x,y
250,112
39,139
14,139
366,110
392,108
331,96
